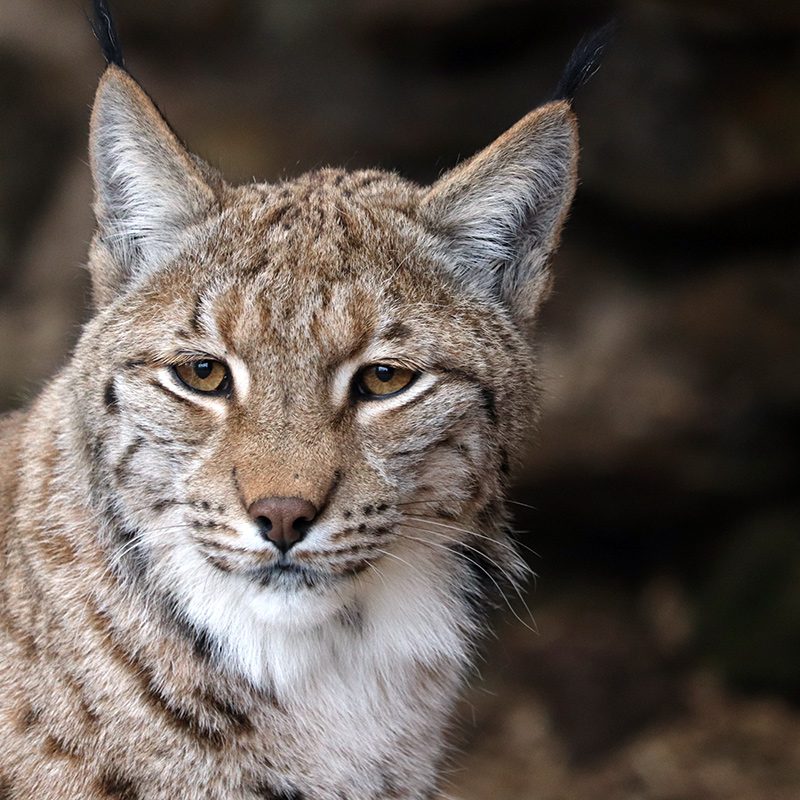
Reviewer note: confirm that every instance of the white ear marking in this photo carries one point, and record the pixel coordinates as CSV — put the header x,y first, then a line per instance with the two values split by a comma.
x,y
148,188
500,213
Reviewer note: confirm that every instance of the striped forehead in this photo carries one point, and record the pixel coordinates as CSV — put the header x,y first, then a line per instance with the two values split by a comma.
x,y
314,273
326,286
310,319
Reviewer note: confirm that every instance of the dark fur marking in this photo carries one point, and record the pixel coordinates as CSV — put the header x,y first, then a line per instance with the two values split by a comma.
x,y
487,579
206,525
28,717
584,61
59,747
142,361
96,449
391,788
335,481
285,216
505,465
194,320
58,549
227,548
125,535
90,716
20,634
340,534
351,231
6,789
121,467
489,404
163,503
236,484
368,180
406,453
201,640
352,617
266,791
113,783
173,395
439,441
357,567
395,331
105,31
181,719
110,398
216,562
234,717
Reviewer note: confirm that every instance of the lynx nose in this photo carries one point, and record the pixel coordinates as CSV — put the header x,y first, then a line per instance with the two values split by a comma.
x,y
284,521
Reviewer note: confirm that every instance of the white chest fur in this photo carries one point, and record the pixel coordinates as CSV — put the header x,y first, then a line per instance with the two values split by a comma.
x,y
365,670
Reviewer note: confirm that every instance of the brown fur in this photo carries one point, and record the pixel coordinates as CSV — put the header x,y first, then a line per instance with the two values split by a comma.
x,y
120,677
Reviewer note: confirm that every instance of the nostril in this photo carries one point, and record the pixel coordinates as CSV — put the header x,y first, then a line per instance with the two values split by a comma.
x,y
264,525
302,525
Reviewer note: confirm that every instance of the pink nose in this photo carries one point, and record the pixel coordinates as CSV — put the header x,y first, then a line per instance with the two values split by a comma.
x,y
284,521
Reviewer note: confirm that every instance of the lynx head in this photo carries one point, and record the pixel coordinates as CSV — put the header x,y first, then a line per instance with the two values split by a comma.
x,y
306,396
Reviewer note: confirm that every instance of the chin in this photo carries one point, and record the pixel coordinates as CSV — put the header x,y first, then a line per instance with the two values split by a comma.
x,y
299,599
242,610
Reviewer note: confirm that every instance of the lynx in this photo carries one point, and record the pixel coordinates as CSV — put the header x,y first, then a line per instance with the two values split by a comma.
x,y
251,531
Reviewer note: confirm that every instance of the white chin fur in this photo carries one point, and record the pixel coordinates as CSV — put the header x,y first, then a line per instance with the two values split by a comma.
x,y
291,639
297,608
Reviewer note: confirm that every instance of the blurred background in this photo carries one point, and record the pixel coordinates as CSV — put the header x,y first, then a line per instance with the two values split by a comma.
x,y
661,494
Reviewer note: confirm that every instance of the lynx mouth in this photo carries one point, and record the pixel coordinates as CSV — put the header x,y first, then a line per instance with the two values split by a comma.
x,y
288,575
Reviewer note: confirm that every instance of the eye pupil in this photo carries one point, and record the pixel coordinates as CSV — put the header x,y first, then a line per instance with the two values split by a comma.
x,y
203,369
384,373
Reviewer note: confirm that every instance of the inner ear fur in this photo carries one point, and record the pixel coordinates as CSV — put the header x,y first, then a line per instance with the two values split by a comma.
x,y
499,215
148,188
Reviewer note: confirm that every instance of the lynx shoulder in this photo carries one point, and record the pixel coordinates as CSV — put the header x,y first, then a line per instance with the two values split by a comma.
x,y
250,531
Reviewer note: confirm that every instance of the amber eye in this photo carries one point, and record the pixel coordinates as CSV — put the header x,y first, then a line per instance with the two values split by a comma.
x,y
382,380
207,376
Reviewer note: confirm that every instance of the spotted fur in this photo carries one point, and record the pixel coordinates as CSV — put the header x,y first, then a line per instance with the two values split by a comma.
x,y
153,644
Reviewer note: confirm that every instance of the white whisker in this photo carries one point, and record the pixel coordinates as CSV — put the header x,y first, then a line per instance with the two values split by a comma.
x,y
486,572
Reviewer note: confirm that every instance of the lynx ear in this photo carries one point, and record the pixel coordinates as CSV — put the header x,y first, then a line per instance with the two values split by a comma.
x,y
148,187
501,212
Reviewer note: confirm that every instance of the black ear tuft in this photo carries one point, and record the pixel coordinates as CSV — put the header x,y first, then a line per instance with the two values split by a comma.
x,y
106,33
584,61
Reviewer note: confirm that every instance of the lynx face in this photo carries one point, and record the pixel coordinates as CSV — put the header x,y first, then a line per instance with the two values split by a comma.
x,y
252,526
306,393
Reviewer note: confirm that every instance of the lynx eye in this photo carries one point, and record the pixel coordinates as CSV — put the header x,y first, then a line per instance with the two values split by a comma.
x,y
382,380
207,376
